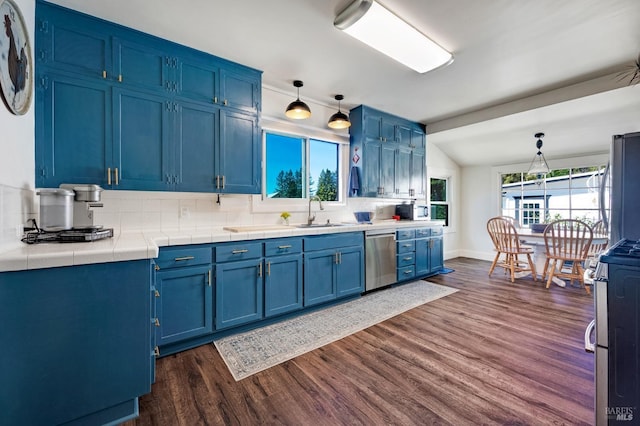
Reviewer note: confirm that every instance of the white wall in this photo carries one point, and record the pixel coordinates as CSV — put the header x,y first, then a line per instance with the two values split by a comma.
x,y
17,159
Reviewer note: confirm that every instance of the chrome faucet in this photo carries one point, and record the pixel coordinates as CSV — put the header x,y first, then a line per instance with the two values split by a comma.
x,y
310,218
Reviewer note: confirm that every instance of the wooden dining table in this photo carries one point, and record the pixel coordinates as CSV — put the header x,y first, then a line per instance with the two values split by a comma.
x,y
536,241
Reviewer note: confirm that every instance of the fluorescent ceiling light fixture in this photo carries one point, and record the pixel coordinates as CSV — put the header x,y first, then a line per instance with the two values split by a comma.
x,y
376,26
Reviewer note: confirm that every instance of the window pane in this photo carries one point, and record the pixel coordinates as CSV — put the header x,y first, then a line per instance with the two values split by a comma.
x,y
563,194
438,189
284,166
440,212
323,167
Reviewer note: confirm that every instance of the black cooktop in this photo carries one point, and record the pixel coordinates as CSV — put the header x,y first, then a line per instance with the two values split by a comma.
x,y
67,236
624,252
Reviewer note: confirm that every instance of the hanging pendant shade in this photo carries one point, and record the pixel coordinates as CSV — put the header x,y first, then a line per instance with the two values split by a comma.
x,y
539,166
339,120
297,109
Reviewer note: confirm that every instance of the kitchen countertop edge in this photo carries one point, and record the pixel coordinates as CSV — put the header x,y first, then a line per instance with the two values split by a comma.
x,y
145,244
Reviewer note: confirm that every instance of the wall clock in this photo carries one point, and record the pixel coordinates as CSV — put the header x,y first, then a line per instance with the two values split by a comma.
x,y
16,71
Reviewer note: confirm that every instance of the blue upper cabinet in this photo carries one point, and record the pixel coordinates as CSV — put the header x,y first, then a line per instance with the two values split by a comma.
x,y
73,130
76,43
389,154
127,110
140,65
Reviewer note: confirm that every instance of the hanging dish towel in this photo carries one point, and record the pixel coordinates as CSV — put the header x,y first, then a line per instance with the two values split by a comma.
x,y
354,181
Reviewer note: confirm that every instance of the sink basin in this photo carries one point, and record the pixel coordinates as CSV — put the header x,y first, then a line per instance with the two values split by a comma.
x,y
319,225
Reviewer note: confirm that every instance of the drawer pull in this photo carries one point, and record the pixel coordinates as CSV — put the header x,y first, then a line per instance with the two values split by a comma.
x,y
156,351
408,258
239,251
284,247
407,272
406,245
180,259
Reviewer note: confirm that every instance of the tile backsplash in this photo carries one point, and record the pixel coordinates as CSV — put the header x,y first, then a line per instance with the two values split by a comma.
x,y
144,210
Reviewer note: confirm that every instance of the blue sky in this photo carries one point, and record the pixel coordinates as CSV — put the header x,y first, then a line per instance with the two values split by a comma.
x,y
287,153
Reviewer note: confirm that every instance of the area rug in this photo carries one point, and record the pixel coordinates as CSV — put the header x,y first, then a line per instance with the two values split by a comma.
x,y
259,349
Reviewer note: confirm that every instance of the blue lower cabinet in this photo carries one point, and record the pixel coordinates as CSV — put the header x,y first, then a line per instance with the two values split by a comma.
x,y
75,343
436,254
333,267
239,292
350,271
184,303
319,276
282,284
423,256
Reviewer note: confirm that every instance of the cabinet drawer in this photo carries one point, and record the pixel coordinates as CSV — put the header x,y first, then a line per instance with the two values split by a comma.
x,y
436,231
237,251
176,257
423,232
321,242
405,246
406,234
282,246
406,259
406,273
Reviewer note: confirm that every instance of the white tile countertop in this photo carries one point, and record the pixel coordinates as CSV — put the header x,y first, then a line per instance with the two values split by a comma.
x,y
134,245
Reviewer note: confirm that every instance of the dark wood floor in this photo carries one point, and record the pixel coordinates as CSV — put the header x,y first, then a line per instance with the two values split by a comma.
x,y
492,353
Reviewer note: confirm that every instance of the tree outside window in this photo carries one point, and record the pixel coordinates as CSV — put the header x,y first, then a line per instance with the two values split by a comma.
x,y
439,199
290,161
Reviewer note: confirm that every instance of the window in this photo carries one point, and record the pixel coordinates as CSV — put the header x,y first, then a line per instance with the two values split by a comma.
x,y
565,194
439,199
299,167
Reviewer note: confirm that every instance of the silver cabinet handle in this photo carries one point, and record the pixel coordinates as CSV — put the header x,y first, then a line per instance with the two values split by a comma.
x,y
180,259
239,251
284,247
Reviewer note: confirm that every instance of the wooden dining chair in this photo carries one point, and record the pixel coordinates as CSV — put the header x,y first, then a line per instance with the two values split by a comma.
x,y
506,242
600,234
567,243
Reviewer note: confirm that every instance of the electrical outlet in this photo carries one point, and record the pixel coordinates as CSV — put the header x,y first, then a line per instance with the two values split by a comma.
x,y
19,230
184,212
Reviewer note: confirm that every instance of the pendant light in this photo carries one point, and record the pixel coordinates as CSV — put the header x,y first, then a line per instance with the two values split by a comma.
x,y
339,120
539,166
297,109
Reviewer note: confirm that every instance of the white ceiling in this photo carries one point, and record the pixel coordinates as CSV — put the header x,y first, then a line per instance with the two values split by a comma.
x,y
506,54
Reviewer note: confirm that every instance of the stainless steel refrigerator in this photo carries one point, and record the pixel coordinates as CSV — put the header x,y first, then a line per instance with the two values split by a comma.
x,y
617,294
624,193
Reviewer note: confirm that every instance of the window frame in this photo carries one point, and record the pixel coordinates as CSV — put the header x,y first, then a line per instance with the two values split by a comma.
x,y
447,202
262,204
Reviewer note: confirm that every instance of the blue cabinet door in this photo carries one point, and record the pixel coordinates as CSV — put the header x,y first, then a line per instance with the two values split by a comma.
x,y
198,81
371,168
71,42
198,129
75,343
239,154
143,66
73,135
282,284
436,254
144,144
350,271
240,89
418,174
402,172
319,276
423,257
388,168
185,304
239,293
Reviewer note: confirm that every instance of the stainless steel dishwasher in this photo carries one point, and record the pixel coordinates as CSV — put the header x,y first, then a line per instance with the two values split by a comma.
x,y
380,248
